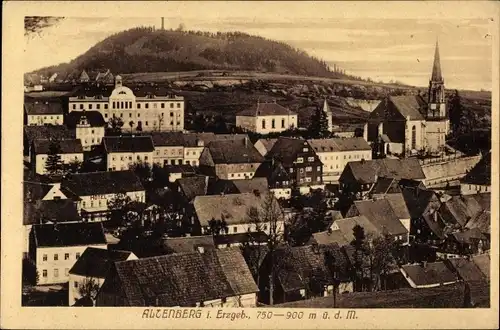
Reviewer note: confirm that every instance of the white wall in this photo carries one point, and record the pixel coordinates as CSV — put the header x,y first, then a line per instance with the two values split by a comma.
x,y
285,193
39,120
470,189
163,153
98,203
90,136
334,162
281,123
121,161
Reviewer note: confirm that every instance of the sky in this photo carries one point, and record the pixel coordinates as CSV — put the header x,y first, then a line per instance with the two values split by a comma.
x,y
389,48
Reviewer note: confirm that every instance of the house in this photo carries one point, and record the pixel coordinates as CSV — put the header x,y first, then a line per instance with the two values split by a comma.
x,y
265,118
411,123
194,144
230,159
176,172
303,272
233,209
32,133
93,265
382,215
123,151
459,210
428,274
190,187
466,269
465,242
278,178
43,113
348,131
169,148
297,158
358,177
105,77
89,127
337,152
69,151
54,248
216,278
264,145
150,112
97,189
253,185
478,179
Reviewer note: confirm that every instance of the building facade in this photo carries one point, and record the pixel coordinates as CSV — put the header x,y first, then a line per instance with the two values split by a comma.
x,y
148,113
43,113
265,118
124,151
89,127
69,151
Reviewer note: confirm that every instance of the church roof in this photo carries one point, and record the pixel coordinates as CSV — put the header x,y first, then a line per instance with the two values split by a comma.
x,y
436,67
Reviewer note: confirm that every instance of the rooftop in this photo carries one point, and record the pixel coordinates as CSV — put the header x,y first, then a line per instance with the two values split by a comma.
x,y
432,273
69,234
132,143
368,171
94,118
43,108
339,144
96,262
233,152
101,183
66,146
266,109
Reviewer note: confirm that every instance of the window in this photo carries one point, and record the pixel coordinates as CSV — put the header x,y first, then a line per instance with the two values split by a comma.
x,y
106,106
138,115
83,204
56,272
301,170
66,256
344,157
81,106
309,169
171,114
272,123
92,131
263,123
147,105
138,105
44,257
56,257
146,123
129,157
98,106
235,229
74,106
75,285
319,168
163,105
171,105
90,106
121,115
310,159
178,105
155,105
282,123
414,137
305,149
264,227
105,115
300,160
145,157
130,105
130,115
291,170
44,273
77,255
308,179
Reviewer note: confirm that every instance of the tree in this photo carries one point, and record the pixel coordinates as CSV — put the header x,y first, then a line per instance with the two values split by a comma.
x,y
54,164
381,250
73,166
119,207
35,24
88,288
131,124
217,227
115,125
359,246
318,128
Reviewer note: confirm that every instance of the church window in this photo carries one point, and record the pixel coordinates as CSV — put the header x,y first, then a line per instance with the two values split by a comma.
x,y
413,137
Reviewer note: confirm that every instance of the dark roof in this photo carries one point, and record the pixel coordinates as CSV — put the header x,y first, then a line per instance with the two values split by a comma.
x,y
69,234
466,269
194,139
66,146
382,215
57,210
167,139
299,266
446,296
481,173
483,262
408,106
330,237
128,144
189,244
417,200
233,152
468,236
398,205
35,190
96,262
43,108
368,171
267,143
193,186
94,118
184,279
59,132
461,209
183,168
385,186
241,238
481,222
430,274
346,226
100,183
435,224
266,109
255,184
286,149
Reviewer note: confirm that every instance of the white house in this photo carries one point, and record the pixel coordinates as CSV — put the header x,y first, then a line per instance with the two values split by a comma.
x,y
43,113
69,150
54,248
150,112
123,151
93,265
337,152
265,118
95,191
89,127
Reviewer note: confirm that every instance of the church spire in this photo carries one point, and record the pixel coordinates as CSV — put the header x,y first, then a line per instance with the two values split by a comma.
x,y
436,68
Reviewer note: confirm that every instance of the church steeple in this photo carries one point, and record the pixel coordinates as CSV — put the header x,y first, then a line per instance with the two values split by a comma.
x,y
436,68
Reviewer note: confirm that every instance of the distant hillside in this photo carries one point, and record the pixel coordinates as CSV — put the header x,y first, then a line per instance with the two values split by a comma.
x,y
149,50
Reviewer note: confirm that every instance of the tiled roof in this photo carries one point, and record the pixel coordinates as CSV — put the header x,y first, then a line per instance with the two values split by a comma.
x,y
233,207
189,244
100,183
193,186
59,132
398,205
286,149
435,224
234,152
74,146
483,262
381,214
385,186
96,263
468,236
369,170
417,200
62,210
267,143
241,238
330,237
460,209
184,279
346,226
43,108
297,267
183,168
128,144
239,186
430,274
408,106
481,173
481,222
167,139
339,144
69,234
94,118
466,269
193,139
266,109
35,190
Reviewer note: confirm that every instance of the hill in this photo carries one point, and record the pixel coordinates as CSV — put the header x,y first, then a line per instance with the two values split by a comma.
x,y
148,50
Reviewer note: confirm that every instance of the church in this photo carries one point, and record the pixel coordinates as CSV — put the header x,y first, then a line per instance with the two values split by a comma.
x,y
407,125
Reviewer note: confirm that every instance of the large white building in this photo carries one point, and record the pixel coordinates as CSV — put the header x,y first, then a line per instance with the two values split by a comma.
x,y
68,150
265,118
146,113
89,127
54,248
337,152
